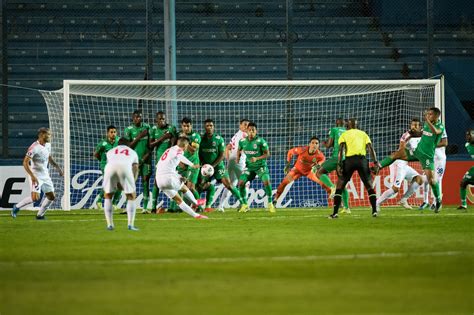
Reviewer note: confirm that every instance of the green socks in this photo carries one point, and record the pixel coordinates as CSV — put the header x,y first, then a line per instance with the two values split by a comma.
x,y
146,194
235,192
268,192
326,180
345,198
463,193
211,191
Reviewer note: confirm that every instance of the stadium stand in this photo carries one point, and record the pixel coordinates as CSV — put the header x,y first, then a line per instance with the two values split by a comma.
x,y
342,39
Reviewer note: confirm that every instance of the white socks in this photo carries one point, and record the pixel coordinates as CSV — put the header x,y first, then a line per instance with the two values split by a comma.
x,y
131,209
183,206
44,206
189,195
411,189
386,194
109,211
24,202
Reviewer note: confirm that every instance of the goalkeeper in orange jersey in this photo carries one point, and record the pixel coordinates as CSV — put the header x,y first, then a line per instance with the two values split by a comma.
x,y
308,157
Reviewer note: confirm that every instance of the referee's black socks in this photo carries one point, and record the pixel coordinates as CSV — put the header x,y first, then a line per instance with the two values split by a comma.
x,y
337,200
372,199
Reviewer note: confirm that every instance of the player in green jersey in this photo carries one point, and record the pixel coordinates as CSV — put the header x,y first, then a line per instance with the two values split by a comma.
x,y
162,136
257,152
424,152
192,153
330,164
104,145
137,135
211,151
468,178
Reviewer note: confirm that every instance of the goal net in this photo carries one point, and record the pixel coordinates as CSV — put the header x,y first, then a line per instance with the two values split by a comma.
x,y
287,113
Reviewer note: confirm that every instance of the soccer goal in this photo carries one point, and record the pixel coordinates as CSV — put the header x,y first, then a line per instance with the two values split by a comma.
x,y
287,113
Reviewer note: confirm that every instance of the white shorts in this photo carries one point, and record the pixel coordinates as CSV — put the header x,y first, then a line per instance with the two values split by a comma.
x,y
45,184
170,184
440,167
399,173
118,174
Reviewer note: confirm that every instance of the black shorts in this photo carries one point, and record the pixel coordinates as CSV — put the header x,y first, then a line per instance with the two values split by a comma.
x,y
356,163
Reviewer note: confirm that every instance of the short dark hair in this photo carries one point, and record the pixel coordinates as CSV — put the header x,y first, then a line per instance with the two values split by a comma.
x,y
137,112
415,119
160,113
123,141
252,124
244,120
313,138
435,110
42,130
111,127
209,120
186,120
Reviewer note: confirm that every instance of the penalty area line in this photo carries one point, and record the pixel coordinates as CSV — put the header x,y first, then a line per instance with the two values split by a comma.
x,y
163,261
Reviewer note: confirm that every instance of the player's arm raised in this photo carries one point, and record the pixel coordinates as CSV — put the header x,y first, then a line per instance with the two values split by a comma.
x,y
56,165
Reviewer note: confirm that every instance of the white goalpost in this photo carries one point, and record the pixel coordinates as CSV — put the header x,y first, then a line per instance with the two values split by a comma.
x,y
287,114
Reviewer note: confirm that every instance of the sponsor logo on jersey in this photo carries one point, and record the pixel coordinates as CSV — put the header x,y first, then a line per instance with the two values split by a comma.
x,y
254,145
250,152
427,133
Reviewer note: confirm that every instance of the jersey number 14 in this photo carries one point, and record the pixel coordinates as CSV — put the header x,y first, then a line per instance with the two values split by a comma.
x,y
123,151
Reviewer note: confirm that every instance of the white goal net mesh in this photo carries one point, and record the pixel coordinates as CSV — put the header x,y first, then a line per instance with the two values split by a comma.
x,y
287,115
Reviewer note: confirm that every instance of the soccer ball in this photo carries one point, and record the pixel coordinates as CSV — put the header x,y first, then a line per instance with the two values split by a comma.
x,y
207,170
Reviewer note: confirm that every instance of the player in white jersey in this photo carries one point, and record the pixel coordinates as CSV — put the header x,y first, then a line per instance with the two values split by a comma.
x,y
36,163
440,168
234,167
169,181
400,170
121,172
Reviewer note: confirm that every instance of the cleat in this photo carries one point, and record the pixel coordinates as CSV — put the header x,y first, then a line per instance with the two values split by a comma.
x,y
110,227
423,206
333,192
123,211
375,214
438,206
200,217
201,202
333,216
433,206
244,208
209,209
271,208
40,217
99,205
132,228
462,207
145,211
220,209
15,211
153,211
346,210
405,204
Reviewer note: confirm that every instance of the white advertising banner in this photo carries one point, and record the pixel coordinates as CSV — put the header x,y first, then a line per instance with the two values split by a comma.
x,y
13,186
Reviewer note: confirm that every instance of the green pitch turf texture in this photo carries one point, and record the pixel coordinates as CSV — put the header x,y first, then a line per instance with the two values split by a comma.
x,y
292,262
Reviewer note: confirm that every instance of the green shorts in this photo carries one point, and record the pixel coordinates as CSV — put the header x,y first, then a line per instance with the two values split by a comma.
x,y
248,175
469,176
191,174
220,172
427,162
330,165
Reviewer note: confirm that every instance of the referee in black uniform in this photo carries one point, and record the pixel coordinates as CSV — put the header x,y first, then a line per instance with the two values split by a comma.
x,y
354,144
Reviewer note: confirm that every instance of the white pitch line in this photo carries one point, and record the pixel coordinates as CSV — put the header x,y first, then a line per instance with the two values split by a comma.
x,y
158,261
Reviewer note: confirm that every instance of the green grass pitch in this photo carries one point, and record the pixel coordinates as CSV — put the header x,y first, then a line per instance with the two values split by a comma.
x,y
292,262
